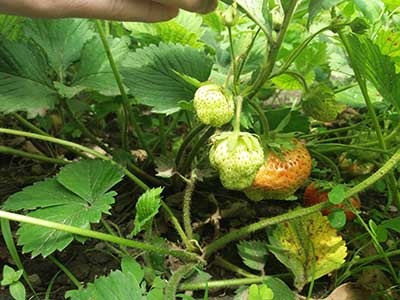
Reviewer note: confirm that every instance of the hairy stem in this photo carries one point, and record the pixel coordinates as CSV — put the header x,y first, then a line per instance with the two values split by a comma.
x,y
220,283
187,200
33,156
176,278
98,235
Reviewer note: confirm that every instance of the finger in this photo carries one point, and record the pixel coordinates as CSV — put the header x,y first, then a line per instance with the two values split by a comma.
x,y
123,10
200,6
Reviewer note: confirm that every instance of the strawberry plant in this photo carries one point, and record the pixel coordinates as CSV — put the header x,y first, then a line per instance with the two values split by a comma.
x,y
143,161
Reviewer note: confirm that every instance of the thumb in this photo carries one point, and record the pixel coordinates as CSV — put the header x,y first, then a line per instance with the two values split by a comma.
x,y
123,10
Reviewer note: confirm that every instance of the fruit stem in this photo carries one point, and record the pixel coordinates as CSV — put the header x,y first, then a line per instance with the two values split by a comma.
x,y
239,103
246,230
188,139
245,55
262,118
233,59
195,150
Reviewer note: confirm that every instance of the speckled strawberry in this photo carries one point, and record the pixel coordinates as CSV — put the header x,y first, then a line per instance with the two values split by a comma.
x,y
319,103
236,156
212,106
281,174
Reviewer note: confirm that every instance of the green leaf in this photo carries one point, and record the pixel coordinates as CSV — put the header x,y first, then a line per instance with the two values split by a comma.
x,y
309,247
10,275
393,224
62,40
147,207
17,291
185,29
94,72
316,6
24,85
90,179
77,196
376,67
260,292
117,285
389,42
130,265
10,26
150,74
253,254
298,122
280,289
254,9
372,9
337,218
337,194
391,4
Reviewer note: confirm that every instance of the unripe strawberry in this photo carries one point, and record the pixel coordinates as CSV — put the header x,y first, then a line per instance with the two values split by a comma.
x,y
281,174
212,106
237,157
319,102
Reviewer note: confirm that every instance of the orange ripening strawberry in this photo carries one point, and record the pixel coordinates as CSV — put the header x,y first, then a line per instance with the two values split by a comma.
x,y
282,174
314,195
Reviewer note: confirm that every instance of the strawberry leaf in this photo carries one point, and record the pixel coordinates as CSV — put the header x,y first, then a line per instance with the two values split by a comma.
x,y
337,194
94,71
146,208
337,218
62,40
151,74
379,69
309,247
185,29
117,285
24,85
77,196
253,254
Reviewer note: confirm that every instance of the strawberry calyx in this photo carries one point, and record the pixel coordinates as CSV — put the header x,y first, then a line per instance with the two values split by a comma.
x,y
282,173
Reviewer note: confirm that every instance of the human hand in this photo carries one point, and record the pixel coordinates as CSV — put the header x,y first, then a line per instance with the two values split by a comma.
x,y
123,10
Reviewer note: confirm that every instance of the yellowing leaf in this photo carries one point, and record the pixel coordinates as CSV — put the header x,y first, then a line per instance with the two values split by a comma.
x,y
309,247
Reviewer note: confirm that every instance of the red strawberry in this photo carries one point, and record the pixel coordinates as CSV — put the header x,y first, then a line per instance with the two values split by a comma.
x,y
282,174
314,195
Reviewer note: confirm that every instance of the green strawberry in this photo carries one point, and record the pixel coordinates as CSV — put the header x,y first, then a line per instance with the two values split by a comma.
x,y
237,156
319,102
212,106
